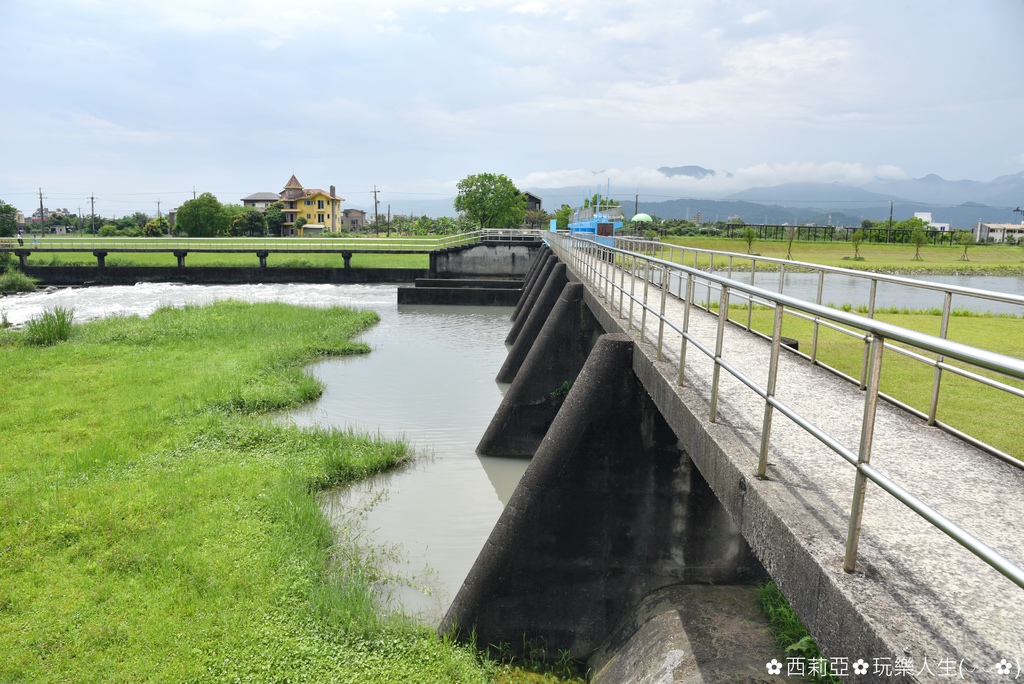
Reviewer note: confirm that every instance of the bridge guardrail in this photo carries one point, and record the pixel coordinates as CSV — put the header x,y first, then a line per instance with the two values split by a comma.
x,y
599,265
55,243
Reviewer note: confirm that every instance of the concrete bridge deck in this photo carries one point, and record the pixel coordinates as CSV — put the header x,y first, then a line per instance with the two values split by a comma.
x,y
917,606
917,593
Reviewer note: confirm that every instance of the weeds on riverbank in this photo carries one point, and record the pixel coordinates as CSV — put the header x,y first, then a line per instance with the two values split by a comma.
x,y
155,526
50,327
790,633
13,280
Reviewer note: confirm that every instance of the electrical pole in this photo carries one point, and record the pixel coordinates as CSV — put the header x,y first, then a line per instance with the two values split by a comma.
x,y
888,233
636,202
389,220
42,216
158,214
79,219
92,213
193,192
376,212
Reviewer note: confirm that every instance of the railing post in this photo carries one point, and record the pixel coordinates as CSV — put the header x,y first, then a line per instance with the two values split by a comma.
x,y
686,327
723,315
632,290
661,314
750,298
622,283
773,370
867,432
814,335
643,312
936,383
867,340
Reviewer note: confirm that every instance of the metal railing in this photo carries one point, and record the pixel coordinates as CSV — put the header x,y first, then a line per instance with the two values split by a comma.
x,y
733,263
600,265
61,243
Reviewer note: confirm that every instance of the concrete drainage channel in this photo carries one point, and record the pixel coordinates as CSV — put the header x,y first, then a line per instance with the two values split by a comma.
x,y
613,548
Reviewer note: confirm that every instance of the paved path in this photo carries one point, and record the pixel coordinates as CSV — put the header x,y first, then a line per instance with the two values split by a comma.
x,y
924,594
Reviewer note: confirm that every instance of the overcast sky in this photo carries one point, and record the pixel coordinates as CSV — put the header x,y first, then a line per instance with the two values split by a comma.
x,y
146,99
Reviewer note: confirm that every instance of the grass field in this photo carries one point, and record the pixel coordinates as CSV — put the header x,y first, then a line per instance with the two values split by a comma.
x,y
969,406
155,526
994,258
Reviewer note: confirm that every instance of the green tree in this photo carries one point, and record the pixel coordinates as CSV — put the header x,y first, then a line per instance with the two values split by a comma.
x,y
299,223
964,238
248,222
275,218
203,216
537,218
855,240
109,230
8,220
919,238
157,227
491,200
749,235
562,217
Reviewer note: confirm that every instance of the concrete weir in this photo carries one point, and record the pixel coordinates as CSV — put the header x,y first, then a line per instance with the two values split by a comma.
x,y
609,511
484,274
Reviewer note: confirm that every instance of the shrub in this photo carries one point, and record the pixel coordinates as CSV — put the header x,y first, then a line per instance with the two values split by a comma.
x,y
14,280
50,327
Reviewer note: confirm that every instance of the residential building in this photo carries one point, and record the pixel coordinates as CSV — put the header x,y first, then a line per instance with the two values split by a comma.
x,y
261,200
320,208
926,216
533,203
353,219
998,232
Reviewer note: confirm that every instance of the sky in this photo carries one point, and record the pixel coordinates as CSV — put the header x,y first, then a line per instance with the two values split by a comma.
x,y
143,101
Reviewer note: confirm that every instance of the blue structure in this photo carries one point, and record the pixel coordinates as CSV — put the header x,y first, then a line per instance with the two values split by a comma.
x,y
596,222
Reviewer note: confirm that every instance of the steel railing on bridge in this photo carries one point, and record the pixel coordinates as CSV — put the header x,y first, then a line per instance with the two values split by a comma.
x,y
419,244
600,266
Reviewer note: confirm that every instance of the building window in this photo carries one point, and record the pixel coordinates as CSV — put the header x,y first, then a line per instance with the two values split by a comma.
x,y
308,216
309,203
319,204
320,218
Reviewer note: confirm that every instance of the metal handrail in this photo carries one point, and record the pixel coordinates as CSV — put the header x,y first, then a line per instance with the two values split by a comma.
x,y
593,262
640,246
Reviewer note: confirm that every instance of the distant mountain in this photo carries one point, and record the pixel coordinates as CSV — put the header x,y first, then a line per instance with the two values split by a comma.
x,y
691,171
812,195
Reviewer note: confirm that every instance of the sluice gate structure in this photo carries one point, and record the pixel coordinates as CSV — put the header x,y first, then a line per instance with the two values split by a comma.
x,y
674,450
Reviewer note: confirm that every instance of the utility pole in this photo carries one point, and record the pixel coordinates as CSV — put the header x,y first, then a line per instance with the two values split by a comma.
x,y
636,202
79,219
92,213
193,192
158,214
389,220
42,216
376,211
888,233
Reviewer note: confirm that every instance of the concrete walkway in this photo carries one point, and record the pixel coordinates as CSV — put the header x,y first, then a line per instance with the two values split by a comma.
x,y
937,612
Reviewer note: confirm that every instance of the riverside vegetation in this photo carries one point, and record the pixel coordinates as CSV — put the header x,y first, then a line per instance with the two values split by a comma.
x,y
155,525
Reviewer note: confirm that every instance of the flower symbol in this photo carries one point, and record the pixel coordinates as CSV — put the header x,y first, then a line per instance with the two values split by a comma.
x,y
860,667
775,667
1003,667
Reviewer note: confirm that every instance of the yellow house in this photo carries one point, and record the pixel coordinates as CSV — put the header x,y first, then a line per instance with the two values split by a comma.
x,y
320,208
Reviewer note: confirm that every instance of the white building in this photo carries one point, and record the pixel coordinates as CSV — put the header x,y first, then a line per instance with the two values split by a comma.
x,y
998,232
926,216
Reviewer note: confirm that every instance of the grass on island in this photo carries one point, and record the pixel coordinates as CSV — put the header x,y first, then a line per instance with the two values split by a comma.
x,y
995,259
155,526
791,636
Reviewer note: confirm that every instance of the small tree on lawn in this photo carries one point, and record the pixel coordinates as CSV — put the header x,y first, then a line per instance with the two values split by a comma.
x,y
855,240
790,236
749,235
919,238
965,238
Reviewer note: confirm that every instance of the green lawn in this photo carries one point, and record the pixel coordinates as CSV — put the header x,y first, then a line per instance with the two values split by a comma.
x,y
994,258
980,411
154,526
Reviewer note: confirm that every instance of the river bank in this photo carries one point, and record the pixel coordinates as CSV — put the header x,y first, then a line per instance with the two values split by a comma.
x,y
154,526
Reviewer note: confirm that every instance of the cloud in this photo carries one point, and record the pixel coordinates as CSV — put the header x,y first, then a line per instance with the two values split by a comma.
x,y
755,17
534,8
